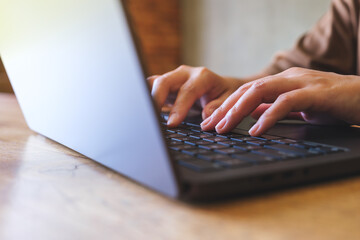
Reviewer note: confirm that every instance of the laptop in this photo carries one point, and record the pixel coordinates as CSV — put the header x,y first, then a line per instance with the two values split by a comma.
x,y
78,77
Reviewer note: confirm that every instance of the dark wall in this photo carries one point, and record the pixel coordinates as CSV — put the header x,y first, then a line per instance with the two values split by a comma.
x,y
157,23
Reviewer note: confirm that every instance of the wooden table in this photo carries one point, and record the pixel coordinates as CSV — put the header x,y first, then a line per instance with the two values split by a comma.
x,y
50,192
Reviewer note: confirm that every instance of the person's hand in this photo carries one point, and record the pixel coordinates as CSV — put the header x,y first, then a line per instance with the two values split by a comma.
x,y
314,96
191,84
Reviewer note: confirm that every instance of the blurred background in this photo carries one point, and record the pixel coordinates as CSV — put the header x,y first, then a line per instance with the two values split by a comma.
x,y
239,37
231,37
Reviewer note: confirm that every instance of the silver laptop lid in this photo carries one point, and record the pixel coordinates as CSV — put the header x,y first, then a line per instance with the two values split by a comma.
x,y
77,76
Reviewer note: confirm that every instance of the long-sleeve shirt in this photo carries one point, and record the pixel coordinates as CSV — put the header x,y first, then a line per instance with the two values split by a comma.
x,y
332,45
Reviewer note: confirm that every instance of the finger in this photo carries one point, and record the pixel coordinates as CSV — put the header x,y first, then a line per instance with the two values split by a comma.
x,y
263,91
295,101
169,82
256,114
220,112
191,91
166,108
210,107
151,80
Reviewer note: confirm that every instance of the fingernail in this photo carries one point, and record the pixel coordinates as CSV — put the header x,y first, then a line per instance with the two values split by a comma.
x,y
253,131
172,119
205,122
221,125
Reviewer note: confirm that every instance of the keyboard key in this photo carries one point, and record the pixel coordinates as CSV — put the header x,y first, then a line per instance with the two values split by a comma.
x,y
190,143
172,142
233,163
213,157
299,145
175,135
169,131
215,139
247,147
197,151
176,140
324,149
258,143
285,141
275,153
221,136
212,146
184,139
238,139
229,151
184,131
244,139
198,130
311,144
216,146
200,165
205,147
183,157
254,158
261,138
232,135
228,143
270,137
220,139
200,135
182,147
195,137
203,142
209,140
291,149
203,135
192,125
209,133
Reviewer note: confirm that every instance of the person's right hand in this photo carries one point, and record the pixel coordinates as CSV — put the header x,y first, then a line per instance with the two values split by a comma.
x,y
191,84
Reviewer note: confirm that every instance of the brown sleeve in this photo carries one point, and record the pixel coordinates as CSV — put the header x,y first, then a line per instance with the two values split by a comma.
x,y
331,45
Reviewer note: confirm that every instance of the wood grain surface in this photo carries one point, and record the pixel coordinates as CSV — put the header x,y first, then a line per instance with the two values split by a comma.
x,y
48,191
4,81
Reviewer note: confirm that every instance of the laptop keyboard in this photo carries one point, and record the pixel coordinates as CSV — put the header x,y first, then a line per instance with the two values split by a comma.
x,y
208,151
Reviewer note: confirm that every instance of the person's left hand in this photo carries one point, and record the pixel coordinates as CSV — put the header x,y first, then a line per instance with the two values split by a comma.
x,y
314,96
